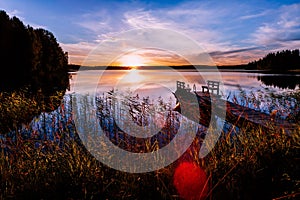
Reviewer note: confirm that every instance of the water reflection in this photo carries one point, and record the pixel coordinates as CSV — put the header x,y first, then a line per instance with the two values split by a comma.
x,y
262,92
280,81
233,81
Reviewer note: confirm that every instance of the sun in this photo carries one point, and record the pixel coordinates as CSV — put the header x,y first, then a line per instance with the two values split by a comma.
x,y
131,60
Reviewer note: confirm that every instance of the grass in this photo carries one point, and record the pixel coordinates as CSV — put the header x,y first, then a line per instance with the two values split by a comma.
x,y
71,173
250,164
255,164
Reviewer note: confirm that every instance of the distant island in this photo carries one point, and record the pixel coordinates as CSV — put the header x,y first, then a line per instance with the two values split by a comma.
x,y
281,61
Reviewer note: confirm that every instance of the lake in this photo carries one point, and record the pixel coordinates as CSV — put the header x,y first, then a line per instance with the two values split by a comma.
x,y
135,107
257,90
253,89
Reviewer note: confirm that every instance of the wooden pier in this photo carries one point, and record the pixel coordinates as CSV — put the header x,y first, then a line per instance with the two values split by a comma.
x,y
236,114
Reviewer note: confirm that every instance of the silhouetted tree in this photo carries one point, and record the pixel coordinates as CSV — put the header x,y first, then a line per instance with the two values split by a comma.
x,y
33,64
14,54
30,57
282,82
279,61
49,63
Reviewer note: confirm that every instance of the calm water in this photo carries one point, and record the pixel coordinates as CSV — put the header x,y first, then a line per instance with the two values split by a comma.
x,y
162,83
156,79
249,89
255,90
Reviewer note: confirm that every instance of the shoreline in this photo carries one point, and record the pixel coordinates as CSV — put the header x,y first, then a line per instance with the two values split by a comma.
x,y
187,69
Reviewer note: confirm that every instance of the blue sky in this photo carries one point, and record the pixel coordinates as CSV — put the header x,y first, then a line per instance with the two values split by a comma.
x,y
232,32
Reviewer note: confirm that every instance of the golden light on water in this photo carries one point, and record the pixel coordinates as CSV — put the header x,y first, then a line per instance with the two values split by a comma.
x,y
133,76
133,61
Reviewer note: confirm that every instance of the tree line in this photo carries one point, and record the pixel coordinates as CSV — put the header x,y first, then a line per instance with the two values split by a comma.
x,y
34,72
279,61
30,58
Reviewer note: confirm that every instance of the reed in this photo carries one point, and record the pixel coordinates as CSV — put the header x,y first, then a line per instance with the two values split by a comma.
x,y
245,164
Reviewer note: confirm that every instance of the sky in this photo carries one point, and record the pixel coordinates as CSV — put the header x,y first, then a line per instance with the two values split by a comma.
x,y
228,32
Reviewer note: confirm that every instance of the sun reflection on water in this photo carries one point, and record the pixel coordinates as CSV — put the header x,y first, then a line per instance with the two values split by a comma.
x,y
133,76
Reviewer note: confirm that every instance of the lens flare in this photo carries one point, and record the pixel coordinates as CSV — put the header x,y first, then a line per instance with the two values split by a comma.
x,y
190,181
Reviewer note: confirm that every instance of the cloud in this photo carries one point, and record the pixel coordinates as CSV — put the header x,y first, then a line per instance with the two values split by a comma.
x,y
143,19
282,30
194,22
217,53
239,58
161,57
264,13
36,26
224,34
190,19
78,51
96,22
18,14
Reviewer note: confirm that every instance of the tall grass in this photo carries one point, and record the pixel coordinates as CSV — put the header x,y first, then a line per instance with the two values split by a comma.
x,y
255,164
249,164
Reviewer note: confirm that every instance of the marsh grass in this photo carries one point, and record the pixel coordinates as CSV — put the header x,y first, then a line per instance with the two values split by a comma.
x,y
71,173
255,164
19,107
248,164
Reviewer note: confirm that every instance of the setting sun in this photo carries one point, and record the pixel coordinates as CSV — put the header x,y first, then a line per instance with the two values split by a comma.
x,y
131,60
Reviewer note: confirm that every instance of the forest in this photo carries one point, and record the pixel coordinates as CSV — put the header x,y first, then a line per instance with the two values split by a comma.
x,y
34,73
30,58
280,61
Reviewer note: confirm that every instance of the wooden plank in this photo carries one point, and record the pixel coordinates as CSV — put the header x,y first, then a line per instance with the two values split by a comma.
x,y
235,113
